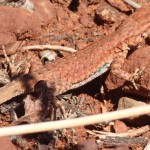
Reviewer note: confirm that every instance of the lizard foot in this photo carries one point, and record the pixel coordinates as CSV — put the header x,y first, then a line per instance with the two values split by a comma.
x,y
52,109
135,76
61,108
4,77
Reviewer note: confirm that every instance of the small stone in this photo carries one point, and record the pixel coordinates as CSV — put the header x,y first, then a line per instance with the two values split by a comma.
x,y
87,145
84,20
126,102
5,143
120,127
105,14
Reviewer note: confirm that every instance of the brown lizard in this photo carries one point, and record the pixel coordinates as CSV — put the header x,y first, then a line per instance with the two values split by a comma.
x,y
83,66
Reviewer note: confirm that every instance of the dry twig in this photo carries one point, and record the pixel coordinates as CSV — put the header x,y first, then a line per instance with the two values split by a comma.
x,y
132,133
147,146
49,47
54,125
133,4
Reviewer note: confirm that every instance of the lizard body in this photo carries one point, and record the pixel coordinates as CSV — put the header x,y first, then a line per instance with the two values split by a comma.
x,y
92,61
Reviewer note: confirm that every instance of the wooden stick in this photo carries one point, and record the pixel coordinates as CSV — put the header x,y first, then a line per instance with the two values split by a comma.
x,y
130,133
132,3
49,47
54,125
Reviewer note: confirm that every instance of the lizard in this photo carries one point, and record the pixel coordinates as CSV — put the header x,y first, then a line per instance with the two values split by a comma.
x,y
85,65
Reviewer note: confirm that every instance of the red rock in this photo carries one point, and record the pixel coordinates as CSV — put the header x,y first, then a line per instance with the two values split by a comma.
x,y
120,127
87,145
6,144
16,23
44,10
84,20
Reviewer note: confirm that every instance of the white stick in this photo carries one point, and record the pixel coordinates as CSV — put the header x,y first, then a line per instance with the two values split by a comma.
x,y
147,146
132,3
50,47
54,125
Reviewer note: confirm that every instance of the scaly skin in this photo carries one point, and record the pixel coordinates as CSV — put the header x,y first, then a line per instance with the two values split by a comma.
x,y
66,73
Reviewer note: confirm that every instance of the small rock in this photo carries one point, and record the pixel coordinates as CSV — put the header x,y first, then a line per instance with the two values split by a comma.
x,y
6,144
25,4
122,147
84,20
106,14
120,127
126,102
25,25
87,145
92,2
44,10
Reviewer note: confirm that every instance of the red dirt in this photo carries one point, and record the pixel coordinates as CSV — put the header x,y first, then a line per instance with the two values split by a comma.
x,y
74,24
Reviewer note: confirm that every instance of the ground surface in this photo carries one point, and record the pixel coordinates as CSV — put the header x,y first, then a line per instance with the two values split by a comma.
x,y
73,24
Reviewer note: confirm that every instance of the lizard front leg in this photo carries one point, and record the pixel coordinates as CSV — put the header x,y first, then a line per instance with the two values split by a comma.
x,y
121,52
116,69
